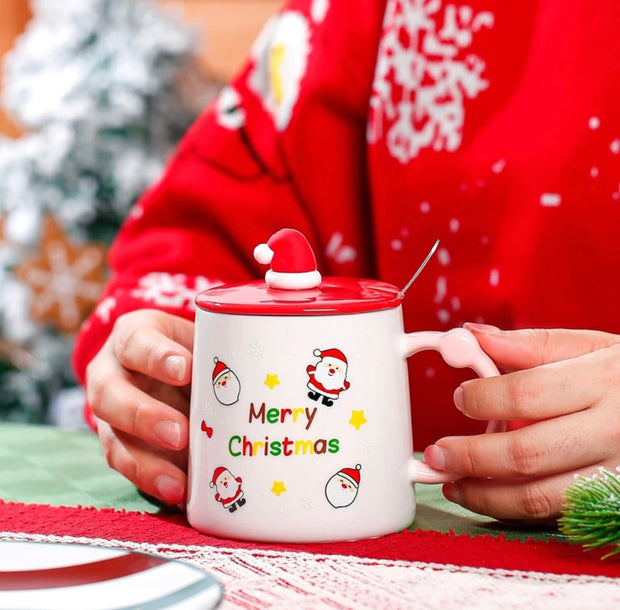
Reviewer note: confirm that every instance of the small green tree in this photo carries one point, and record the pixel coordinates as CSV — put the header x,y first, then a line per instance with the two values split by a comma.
x,y
591,514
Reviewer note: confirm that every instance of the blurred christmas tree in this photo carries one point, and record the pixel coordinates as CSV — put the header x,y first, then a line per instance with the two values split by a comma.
x,y
104,90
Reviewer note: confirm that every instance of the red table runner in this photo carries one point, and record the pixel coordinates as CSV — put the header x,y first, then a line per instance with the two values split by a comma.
x,y
412,569
427,546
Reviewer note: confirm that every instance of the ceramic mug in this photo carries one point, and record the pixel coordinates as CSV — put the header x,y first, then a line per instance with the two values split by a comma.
x,y
300,424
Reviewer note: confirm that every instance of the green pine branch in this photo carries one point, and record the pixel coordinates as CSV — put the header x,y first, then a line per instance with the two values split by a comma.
x,y
591,513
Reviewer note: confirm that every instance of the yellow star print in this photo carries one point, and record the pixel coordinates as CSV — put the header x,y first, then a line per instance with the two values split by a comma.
x,y
272,381
357,419
278,488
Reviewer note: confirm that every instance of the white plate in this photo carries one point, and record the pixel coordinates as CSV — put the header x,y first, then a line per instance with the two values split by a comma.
x,y
37,576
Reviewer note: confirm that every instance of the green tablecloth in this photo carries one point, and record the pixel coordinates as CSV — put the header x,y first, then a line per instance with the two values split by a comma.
x,y
45,465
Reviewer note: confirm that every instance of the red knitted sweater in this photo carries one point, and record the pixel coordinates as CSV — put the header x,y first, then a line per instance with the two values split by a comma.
x,y
376,128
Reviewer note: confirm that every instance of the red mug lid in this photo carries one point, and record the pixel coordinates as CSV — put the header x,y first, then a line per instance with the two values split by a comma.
x,y
294,286
335,295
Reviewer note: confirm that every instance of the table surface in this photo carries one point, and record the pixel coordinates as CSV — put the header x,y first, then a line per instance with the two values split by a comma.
x,y
45,465
49,479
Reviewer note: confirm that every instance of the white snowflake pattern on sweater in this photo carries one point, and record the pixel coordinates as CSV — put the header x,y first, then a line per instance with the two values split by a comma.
x,y
105,308
424,75
172,290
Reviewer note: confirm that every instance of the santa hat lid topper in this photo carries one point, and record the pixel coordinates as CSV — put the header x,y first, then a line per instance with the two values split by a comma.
x,y
293,264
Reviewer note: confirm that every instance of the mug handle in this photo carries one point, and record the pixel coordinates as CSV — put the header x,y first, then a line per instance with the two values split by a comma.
x,y
460,349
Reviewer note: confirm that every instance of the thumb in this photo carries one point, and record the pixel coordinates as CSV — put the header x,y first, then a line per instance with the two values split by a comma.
x,y
521,349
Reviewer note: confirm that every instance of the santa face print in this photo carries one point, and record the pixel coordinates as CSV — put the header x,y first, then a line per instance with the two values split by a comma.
x,y
224,481
331,374
225,384
227,388
341,489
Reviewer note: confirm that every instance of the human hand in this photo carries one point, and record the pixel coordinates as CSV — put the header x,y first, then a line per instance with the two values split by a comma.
x,y
138,389
566,386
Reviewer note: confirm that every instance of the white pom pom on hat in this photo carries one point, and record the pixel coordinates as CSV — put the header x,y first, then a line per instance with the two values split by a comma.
x,y
263,254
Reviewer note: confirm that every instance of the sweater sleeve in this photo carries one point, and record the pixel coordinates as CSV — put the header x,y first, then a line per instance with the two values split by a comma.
x,y
282,146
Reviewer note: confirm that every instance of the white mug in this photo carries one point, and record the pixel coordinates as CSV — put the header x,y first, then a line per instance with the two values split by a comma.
x,y
300,425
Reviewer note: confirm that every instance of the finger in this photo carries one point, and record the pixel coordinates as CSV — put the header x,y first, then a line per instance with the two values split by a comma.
x,y
114,398
541,449
537,393
177,397
537,501
519,349
151,472
159,346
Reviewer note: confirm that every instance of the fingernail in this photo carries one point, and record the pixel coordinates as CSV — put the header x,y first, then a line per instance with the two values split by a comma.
x,y
175,367
458,398
453,493
168,432
484,329
436,457
170,489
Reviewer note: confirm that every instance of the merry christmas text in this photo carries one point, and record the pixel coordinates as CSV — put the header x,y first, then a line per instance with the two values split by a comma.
x,y
242,446
281,416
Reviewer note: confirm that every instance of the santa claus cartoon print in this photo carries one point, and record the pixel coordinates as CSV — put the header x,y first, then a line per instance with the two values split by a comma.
x,y
227,489
328,377
225,384
341,489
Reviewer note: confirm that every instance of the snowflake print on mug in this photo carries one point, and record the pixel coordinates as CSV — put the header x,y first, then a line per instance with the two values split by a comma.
x,y
424,75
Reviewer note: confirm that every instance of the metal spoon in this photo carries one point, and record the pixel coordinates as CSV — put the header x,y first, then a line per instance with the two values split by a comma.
x,y
420,268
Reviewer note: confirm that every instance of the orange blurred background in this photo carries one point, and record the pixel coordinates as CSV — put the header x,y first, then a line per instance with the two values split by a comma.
x,y
14,15
228,26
